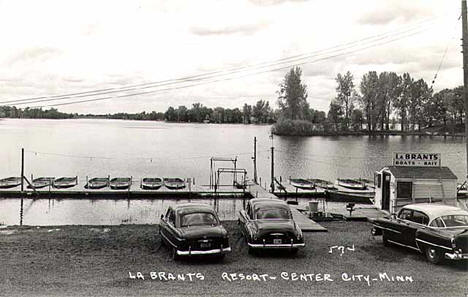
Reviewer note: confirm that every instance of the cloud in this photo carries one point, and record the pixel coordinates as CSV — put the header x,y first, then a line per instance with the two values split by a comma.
x,y
246,29
272,2
387,12
34,54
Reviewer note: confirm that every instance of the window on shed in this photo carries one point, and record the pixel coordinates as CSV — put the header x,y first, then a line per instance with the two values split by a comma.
x,y
404,189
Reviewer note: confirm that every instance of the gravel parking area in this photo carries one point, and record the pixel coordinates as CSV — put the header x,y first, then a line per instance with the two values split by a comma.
x,y
112,260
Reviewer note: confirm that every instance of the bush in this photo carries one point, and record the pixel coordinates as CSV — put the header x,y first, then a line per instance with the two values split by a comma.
x,y
295,128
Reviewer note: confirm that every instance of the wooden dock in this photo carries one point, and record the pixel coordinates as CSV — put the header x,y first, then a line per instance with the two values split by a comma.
x,y
133,192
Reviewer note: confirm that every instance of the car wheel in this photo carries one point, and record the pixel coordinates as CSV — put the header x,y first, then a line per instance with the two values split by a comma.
x,y
294,251
433,255
385,239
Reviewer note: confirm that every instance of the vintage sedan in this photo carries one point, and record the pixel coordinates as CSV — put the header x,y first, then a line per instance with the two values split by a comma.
x,y
438,231
192,229
268,224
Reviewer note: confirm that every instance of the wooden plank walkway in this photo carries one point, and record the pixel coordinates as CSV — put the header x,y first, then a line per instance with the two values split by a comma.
x,y
306,224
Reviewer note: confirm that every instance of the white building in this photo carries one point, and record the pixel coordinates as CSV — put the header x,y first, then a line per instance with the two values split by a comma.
x,y
400,185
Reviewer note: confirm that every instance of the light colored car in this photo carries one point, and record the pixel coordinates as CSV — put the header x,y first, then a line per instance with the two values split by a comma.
x,y
438,231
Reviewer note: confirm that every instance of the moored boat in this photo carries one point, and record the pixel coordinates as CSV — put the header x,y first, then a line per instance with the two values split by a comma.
x,y
302,183
120,183
97,183
10,182
151,183
41,182
352,184
65,182
321,183
174,183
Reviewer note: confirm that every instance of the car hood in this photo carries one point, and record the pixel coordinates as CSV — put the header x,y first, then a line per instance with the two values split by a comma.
x,y
267,226
194,232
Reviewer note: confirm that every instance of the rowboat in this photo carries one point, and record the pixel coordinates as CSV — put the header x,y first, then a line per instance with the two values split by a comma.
x,y
174,183
321,183
302,183
65,182
151,183
10,182
41,182
97,183
351,184
120,183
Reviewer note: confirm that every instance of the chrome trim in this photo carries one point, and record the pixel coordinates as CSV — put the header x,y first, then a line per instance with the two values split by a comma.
x,y
273,246
388,229
208,252
433,244
408,246
456,256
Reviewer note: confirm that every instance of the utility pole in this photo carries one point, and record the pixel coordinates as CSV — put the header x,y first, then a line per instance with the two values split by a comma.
x,y
272,186
22,186
465,72
255,160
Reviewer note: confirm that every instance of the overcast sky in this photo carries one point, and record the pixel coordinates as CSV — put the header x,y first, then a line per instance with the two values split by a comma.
x,y
60,47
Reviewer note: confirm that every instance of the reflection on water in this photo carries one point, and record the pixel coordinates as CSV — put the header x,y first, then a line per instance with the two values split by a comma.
x,y
138,149
102,212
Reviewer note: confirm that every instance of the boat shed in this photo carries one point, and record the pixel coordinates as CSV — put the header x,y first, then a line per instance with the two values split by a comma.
x,y
397,186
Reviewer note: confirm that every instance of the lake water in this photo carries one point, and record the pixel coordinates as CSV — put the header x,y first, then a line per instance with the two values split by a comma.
x,y
138,149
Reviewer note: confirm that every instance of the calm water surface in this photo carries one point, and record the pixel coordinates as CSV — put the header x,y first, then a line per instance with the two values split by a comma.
x,y
138,149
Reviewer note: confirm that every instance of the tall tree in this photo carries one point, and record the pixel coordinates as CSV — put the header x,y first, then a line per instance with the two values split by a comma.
x,y
261,111
402,102
344,97
292,97
335,114
247,113
369,86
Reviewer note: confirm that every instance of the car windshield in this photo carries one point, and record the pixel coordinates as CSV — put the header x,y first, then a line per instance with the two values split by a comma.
x,y
200,218
455,220
273,213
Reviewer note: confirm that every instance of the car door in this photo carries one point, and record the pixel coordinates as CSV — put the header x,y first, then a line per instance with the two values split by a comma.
x,y
244,219
417,221
168,227
398,227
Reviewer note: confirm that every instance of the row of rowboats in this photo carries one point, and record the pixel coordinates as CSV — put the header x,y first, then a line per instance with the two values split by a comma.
x,y
117,183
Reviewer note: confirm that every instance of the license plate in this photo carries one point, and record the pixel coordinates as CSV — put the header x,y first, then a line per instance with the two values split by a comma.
x,y
205,245
277,241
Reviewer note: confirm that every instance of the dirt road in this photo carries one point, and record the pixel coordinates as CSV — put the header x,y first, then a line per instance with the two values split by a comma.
x,y
105,261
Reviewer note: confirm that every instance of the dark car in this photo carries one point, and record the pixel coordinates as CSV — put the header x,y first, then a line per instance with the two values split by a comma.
x,y
268,224
193,229
438,231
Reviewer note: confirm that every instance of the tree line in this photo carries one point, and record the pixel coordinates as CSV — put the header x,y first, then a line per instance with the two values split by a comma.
x,y
260,113
382,102
386,99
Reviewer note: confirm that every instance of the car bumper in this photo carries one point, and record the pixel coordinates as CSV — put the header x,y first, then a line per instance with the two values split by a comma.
x,y
456,256
276,246
207,252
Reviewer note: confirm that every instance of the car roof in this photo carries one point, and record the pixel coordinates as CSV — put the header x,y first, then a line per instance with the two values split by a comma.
x,y
184,208
257,202
436,210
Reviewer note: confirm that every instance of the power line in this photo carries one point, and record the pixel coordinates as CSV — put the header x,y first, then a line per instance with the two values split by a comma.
x,y
228,78
210,75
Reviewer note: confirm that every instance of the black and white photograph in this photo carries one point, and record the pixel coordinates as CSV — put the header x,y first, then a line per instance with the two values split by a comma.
x,y
233,148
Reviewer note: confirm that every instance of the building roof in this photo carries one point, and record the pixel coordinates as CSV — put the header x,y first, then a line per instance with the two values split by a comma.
x,y
422,172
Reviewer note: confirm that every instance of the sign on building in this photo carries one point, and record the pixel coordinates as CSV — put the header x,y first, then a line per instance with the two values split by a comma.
x,y
417,159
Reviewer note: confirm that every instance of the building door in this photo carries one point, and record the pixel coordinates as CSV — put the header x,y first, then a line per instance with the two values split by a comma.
x,y
386,191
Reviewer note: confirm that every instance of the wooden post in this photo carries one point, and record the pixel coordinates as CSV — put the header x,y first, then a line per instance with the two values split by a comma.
x,y
255,160
272,169
22,186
